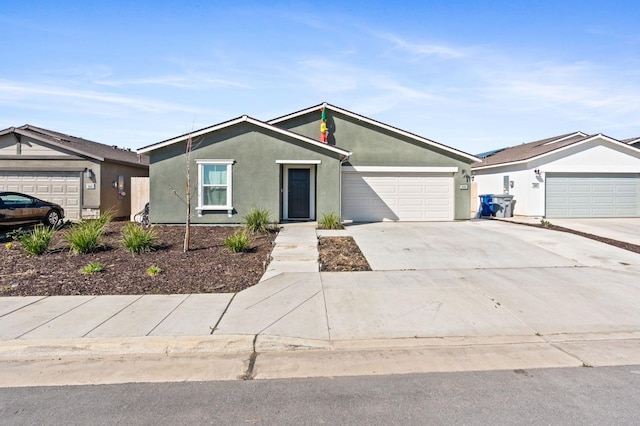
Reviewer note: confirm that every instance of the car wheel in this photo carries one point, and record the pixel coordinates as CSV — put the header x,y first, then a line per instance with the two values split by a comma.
x,y
52,218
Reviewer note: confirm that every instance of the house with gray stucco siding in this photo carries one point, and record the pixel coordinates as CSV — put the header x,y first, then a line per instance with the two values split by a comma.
x,y
365,171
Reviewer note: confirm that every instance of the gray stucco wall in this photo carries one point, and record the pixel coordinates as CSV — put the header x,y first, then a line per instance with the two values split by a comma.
x,y
374,146
256,177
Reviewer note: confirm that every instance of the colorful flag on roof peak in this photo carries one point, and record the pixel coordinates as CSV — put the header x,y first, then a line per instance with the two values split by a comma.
x,y
323,124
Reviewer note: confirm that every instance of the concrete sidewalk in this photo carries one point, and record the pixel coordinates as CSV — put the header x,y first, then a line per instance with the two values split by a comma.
x,y
563,309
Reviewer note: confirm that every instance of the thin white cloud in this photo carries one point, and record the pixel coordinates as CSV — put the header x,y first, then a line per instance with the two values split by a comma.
x,y
421,49
576,87
181,82
12,92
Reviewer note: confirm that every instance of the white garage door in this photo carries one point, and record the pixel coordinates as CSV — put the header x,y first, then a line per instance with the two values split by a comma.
x,y
59,187
382,196
593,195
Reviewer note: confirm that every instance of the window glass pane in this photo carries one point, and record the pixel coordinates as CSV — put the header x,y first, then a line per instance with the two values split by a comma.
x,y
215,174
215,196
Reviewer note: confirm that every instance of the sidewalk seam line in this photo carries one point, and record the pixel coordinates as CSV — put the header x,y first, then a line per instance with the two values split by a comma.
x,y
326,312
169,314
274,294
112,316
56,317
215,326
289,312
28,304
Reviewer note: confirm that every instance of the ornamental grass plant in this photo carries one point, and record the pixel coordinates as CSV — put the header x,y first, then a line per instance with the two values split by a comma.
x,y
136,239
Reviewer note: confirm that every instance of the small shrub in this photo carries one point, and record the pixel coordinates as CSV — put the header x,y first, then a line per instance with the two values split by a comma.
x,y
37,240
84,236
153,270
93,268
238,241
545,223
258,220
329,221
136,239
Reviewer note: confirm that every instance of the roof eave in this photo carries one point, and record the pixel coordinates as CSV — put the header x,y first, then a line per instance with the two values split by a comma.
x,y
555,151
35,136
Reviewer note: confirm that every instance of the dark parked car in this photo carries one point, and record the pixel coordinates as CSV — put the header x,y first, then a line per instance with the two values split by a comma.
x,y
17,208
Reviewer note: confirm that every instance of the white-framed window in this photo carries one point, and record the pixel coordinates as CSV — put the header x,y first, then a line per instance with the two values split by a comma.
x,y
215,185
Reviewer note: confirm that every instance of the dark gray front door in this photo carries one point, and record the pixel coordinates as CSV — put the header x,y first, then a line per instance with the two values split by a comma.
x,y
299,192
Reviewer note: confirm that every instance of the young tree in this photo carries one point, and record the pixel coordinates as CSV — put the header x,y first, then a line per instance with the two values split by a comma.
x,y
191,144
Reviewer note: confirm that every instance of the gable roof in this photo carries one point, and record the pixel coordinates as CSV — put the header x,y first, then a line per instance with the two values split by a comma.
x,y
374,123
243,119
80,146
533,150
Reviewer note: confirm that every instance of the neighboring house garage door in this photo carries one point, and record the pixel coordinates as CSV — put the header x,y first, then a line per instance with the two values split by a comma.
x,y
592,195
381,196
59,187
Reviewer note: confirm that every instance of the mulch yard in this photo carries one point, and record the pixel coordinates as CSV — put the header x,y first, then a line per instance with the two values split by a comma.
x,y
208,267
339,254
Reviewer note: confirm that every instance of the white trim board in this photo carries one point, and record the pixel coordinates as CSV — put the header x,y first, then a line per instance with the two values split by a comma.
x,y
298,161
388,169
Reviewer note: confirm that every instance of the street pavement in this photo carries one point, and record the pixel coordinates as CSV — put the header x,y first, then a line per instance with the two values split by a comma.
x,y
453,296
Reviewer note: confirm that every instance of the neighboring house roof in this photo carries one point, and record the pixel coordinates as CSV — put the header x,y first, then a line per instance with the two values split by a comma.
x,y
83,147
532,150
489,153
238,120
374,123
632,141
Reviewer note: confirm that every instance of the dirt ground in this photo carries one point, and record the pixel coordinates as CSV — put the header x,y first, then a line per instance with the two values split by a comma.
x,y
208,267
338,254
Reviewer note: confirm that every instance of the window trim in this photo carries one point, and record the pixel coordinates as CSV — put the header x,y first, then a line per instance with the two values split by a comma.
x,y
229,202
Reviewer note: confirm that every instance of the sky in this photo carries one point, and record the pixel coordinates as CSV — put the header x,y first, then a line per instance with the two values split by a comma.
x,y
473,75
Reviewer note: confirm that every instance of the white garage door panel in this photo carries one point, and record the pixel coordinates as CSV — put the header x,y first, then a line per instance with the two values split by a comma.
x,y
380,196
58,187
593,195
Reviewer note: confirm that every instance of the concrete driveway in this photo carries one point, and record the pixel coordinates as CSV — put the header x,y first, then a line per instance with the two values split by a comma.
x,y
481,244
482,278
621,229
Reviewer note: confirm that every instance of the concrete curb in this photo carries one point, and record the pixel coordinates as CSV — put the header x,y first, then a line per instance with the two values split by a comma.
x,y
247,357
234,344
125,346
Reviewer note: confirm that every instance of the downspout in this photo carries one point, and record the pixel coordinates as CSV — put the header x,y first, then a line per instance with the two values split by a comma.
x,y
340,183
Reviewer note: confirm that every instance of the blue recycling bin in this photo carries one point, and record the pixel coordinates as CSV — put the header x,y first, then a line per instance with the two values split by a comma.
x,y
486,205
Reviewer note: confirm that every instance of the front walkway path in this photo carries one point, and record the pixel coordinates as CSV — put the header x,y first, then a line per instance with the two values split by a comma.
x,y
296,250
